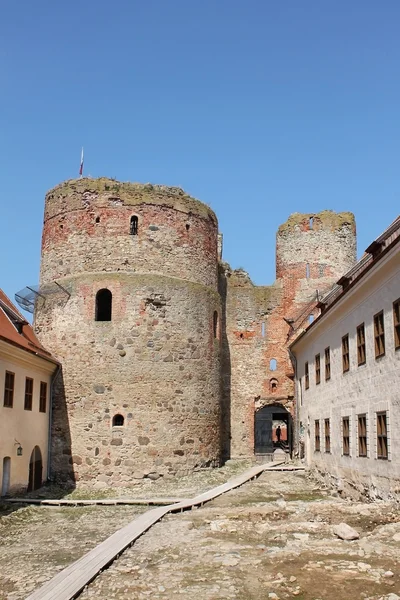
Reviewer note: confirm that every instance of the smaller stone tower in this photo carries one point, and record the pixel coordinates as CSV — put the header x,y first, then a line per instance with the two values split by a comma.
x,y
313,251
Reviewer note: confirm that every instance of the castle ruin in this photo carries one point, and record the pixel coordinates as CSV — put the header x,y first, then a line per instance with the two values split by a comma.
x,y
171,360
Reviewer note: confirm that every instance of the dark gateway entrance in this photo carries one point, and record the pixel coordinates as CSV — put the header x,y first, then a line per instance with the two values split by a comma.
x,y
35,470
266,422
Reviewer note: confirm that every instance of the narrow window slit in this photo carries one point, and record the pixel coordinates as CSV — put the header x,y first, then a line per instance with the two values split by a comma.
x,y
134,225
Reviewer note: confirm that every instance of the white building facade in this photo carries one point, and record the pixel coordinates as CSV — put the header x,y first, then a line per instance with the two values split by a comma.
x,y
348,376
26,372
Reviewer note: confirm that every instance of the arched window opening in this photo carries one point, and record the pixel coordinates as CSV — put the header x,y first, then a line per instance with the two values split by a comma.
x,y
273,364
215,324
311,318
103,305
263,329
273,385
134,225
187,226
97,219
118,421
311,222
307,271
241,336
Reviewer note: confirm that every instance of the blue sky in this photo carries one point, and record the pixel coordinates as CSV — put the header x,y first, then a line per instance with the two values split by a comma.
x,y
258,108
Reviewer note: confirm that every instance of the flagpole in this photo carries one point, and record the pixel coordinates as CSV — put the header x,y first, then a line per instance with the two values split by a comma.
x,y
81,166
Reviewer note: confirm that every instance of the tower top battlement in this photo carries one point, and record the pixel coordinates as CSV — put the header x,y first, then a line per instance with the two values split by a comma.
x,y
104,191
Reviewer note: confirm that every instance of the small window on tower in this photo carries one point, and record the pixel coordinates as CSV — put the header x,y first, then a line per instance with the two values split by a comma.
x,y
215,324
307,271
311,222
134,225
273,364
118,421
103,305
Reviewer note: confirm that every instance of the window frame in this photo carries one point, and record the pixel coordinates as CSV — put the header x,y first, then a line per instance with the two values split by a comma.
x,y
381,436
9,388
43,397
362,435
396,323
317,369
361,346
345,353
306,376
327,434
317,436
379,334
346,436
327,352
28,397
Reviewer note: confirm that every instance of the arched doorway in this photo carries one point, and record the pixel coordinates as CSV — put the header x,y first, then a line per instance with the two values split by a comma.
x,y
35,470
5,484
272,429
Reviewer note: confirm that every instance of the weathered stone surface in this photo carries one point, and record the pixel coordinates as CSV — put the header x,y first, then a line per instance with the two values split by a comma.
x,y
345,532
164,285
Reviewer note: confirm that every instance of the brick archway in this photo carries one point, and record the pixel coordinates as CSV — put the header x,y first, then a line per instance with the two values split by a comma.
x,y
272,428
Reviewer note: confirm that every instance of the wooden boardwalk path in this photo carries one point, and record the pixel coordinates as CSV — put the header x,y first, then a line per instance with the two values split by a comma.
x,y
70,582
102,502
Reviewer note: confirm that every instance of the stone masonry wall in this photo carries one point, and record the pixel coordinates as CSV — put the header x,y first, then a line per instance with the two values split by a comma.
x,y
312,252
157,362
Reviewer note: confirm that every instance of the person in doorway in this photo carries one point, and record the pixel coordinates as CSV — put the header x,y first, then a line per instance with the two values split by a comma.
x,y
278,434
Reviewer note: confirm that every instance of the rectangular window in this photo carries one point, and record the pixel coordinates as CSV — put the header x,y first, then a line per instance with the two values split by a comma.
x,y
43,396
362,435
28,393
327,435
361,356
379,333
381,431
327,363
307,376
345,353
346,436
396,323
317,369
317,437
9,389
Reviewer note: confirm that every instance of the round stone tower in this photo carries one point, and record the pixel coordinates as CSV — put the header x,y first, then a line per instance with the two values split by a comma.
x,y
131,309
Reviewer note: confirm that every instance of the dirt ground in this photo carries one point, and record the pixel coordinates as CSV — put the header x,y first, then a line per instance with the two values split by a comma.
x,y
37,542
270,539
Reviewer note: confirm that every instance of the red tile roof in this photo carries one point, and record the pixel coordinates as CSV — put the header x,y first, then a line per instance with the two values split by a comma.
x,y
16,330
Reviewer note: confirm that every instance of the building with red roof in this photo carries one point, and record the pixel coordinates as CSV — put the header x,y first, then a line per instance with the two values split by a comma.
x,y
26,374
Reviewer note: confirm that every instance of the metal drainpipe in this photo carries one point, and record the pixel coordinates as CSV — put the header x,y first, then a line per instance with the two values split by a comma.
x,y
54,377
296,400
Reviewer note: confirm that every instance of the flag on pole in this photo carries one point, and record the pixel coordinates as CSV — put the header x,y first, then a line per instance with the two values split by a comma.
x,y
81,167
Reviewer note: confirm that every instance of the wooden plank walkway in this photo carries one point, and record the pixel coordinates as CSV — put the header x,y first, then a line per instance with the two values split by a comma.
x,y
70,582
102,502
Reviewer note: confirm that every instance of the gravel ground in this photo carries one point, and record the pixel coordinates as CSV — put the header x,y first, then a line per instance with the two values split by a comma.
x,y
270,539
37,542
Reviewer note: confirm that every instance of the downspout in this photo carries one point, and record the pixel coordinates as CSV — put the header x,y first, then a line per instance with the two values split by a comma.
x,y
53,379
296,400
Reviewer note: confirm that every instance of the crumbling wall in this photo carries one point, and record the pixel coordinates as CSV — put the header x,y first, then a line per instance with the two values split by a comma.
x,y
312,252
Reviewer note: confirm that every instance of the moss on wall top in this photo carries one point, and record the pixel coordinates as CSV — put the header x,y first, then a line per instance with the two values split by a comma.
x,y
104,189
326,219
